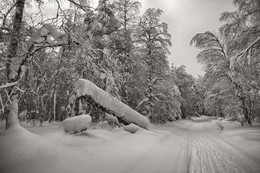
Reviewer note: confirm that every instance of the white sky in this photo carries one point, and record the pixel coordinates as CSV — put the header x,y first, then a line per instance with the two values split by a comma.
x,y
185,19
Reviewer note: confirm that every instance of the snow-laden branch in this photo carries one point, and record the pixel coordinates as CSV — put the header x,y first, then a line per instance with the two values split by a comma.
x,y
248,48
5,28
7,85
217,94
2,68
2,104
244,52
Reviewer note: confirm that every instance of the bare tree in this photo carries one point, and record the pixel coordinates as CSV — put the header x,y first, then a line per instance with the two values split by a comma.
x,y
11,72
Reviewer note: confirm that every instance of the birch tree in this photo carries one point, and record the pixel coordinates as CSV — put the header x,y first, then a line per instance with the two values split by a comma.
x,y
14,74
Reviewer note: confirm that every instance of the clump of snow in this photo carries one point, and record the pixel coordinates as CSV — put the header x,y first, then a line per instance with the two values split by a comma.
x,y
85,87
76,124
105,125
132,128
112,120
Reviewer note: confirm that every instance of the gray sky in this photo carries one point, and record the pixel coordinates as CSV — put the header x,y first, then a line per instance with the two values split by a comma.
x,y
185,19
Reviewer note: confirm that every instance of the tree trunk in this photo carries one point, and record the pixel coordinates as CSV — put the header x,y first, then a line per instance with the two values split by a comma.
x,y
12,118
183,111
51,106
246,111
54,105
11,73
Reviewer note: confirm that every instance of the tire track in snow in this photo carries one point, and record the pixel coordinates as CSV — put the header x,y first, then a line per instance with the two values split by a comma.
x,y
208,154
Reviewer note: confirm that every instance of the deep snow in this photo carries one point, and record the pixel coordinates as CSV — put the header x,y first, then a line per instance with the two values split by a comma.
x,y
183,146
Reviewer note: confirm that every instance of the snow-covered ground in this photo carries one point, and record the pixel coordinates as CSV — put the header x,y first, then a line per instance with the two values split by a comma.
x,y
182,146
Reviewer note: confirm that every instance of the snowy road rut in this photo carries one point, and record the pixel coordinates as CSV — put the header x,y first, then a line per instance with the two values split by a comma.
x,y
212,155
206,152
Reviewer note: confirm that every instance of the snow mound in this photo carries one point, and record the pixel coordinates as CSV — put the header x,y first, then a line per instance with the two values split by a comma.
x,y
76,124
132,128
122,111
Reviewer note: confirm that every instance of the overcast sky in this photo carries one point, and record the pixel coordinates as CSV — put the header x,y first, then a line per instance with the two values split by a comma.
x,y
185,19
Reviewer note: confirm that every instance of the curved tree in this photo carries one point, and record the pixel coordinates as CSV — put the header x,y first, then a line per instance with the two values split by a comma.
x,y
218,73
154,39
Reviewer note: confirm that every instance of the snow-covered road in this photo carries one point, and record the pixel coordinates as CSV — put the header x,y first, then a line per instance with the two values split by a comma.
x,y
183,146
207,152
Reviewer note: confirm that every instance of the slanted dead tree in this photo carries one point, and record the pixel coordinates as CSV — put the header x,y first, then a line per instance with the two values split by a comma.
x,y
102,101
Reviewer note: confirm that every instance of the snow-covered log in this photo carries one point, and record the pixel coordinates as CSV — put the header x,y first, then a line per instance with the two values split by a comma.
x,y
76,124
122,111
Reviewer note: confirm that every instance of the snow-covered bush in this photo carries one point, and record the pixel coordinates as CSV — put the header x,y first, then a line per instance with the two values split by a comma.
x,y
77,124
132,128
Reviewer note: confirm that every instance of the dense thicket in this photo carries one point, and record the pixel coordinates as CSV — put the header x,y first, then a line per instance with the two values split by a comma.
x,y
231,59
126,54
120,50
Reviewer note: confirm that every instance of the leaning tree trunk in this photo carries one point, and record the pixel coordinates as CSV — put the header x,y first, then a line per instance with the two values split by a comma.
x,y
246,110
11,73
54,105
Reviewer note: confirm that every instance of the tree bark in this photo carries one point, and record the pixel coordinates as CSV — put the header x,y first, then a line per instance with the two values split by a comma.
x,y
11,73
12,118
246,111
54,105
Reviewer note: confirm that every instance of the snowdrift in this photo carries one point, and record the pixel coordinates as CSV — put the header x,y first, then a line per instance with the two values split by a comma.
x,y
85,87
76,124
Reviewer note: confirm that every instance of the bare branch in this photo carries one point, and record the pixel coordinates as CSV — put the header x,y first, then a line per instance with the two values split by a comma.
x,y
80,6
8,96
19,89
7,13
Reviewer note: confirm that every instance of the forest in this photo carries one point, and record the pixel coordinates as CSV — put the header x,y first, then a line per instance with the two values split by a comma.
x,y
126,54
48,46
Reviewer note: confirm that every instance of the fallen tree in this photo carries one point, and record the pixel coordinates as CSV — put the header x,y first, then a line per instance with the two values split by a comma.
x,y
87,89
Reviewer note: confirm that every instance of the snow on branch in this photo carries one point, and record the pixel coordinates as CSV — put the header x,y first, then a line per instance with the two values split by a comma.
x,y
244,52
86,87
7,85
248,48
2,68
211,96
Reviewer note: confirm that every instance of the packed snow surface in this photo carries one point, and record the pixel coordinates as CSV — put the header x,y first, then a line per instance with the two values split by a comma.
x,y
182,146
